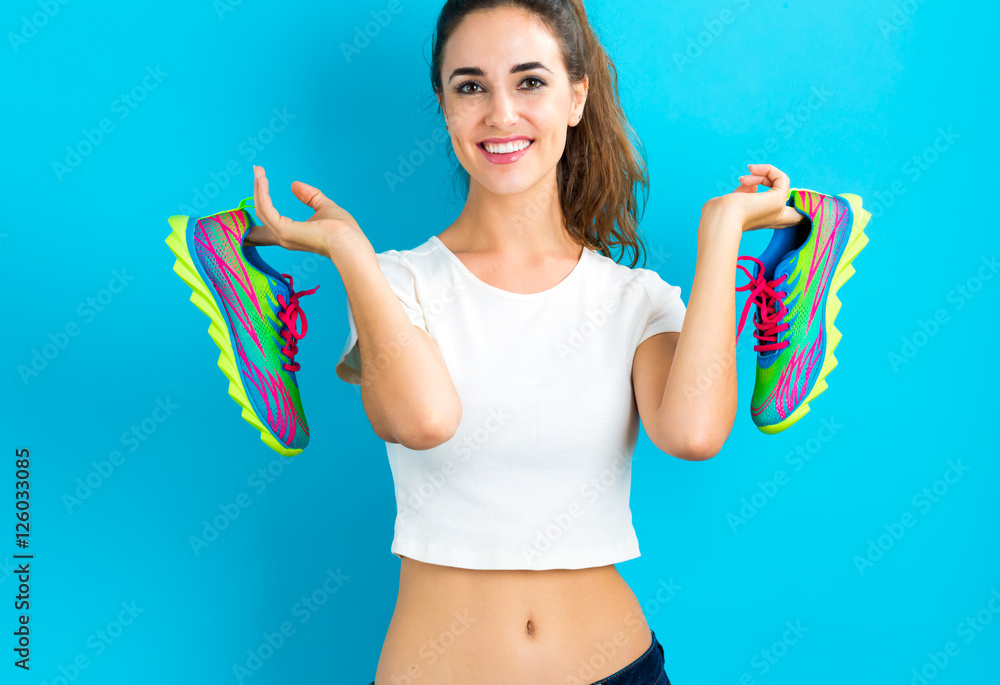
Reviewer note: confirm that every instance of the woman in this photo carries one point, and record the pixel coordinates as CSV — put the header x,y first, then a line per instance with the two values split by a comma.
x,y
532,71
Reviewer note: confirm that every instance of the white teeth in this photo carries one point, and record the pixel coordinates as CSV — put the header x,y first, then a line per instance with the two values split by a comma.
x,y
508,148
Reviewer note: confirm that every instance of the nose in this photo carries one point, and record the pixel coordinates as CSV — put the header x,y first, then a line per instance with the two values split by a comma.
x,y
502,112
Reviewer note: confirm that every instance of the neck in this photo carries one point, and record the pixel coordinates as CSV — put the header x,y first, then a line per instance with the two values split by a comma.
x,y
528,224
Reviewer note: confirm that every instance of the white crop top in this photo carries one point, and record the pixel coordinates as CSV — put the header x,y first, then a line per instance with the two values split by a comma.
x,y
538,474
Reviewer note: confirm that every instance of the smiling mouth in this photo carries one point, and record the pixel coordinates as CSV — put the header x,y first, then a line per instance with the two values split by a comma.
x,y
485,149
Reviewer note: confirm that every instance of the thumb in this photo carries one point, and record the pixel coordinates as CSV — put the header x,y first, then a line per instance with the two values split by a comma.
x,y
259,236
792,217
310,195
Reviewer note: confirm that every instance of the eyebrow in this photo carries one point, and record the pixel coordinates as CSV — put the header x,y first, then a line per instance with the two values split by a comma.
x,y
516,69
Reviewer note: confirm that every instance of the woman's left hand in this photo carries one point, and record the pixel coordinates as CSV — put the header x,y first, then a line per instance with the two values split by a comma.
x,y
762,210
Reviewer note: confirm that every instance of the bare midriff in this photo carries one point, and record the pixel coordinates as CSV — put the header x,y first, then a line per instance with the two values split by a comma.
x,y
454,626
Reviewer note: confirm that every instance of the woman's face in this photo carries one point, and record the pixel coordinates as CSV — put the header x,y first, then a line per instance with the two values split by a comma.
x,y
503,77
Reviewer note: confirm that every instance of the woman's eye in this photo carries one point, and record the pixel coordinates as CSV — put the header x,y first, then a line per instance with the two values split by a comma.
x,y
468,84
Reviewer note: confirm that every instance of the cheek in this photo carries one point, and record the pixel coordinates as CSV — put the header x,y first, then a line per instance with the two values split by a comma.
x,y
464,130
555,139
463,111
547,118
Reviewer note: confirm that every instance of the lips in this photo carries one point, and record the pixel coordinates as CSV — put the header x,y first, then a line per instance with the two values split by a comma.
x,y
505,157
508,139
498,141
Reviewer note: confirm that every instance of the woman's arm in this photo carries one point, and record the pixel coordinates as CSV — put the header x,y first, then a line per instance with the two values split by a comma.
x,y
686,382
406,388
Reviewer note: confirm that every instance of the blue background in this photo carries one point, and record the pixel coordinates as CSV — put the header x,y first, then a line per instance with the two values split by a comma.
x,y
893,76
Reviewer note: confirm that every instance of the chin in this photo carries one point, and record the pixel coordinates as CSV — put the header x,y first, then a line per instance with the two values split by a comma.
x,y
511,186
509,182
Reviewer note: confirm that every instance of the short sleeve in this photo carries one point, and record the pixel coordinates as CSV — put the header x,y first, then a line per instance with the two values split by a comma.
x,y
666,309
402,279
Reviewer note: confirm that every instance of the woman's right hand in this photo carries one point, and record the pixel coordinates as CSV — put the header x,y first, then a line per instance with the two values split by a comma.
x,y
316,234
761,210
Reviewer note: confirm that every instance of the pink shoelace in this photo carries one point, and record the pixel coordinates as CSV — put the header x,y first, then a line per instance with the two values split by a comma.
x,y
289,315
771,304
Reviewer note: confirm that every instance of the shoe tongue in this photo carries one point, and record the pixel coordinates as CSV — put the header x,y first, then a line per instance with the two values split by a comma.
x,y
784,267
796,237
279,286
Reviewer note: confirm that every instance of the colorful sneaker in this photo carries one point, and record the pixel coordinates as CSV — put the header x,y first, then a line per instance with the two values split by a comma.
x,y
794,286
254,320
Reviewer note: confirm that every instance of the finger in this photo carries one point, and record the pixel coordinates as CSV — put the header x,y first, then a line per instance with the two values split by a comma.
x,y
779,179
761,180
792,217
789,217
262,201
310,195
748,184
259,236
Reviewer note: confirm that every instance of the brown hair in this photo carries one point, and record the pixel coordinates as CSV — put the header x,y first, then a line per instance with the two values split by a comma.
x,y
600,167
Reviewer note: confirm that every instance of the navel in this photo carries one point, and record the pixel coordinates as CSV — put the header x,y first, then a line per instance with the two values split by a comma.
x,y
529,628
